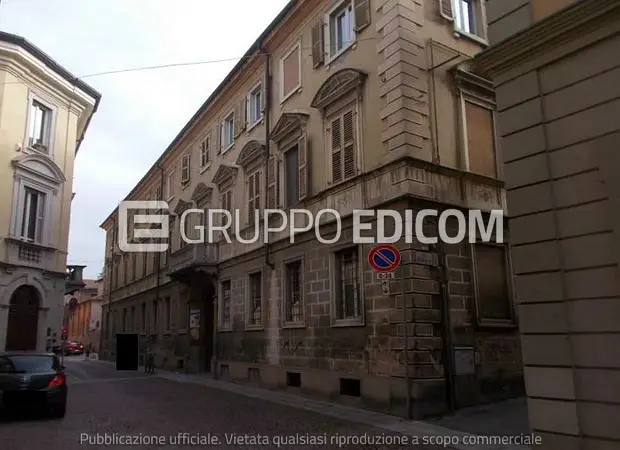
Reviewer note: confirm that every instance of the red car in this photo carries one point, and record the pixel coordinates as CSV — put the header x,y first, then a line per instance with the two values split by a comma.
x,y
73,348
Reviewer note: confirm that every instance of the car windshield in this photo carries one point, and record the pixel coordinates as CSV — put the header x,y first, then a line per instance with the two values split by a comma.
x,y
32,363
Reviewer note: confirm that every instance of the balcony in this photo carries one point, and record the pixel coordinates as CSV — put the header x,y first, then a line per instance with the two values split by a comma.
x,y
75,279
196,258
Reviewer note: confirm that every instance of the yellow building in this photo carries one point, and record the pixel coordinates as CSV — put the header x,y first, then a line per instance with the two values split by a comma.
x,y
344,105
44,113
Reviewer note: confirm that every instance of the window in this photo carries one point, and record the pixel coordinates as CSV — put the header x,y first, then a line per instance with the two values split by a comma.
x,y
33,214
291,176
493,293
167,305
469,16
204,152
479,123
133,266
133,318
39,128
187,231
228,131
293,305
225,318
158,193
343,140
155,328
255,300
290,71
169,188
253,186
227,204
341,28
347,293
124,322
255,106
186,168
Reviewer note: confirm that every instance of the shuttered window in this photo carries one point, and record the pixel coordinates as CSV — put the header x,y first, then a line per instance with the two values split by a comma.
x,y
481,151
186,168
253,187
343,140
493,296
291,74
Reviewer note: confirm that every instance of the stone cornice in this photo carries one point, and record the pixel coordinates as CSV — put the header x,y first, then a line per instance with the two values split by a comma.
x,y
569,24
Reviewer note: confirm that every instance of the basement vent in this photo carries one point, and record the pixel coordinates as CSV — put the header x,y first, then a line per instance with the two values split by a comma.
x,y
293,379
350,387
254,374
224,370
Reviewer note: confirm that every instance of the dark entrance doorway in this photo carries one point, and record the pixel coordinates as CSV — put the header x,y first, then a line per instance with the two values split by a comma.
x,y
21,333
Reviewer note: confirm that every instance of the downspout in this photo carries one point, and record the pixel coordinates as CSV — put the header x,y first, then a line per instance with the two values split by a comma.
x,y
158,268
110,284
267,115
446,328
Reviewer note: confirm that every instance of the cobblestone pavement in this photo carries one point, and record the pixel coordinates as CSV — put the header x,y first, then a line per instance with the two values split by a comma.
x,y
104,404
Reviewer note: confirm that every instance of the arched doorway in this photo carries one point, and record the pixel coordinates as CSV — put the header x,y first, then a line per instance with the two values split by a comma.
x,y
21,332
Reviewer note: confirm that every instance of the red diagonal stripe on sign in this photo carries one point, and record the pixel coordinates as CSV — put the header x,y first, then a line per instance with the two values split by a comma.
x,y
384,258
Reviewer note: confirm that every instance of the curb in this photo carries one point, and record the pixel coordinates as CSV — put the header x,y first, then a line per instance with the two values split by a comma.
x,y
382,421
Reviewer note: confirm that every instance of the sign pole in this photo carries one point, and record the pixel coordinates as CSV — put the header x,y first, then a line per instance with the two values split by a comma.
x,y
406,339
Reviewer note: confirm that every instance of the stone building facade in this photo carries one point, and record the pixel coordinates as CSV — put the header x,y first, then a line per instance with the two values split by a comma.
x,y
557,72
344,105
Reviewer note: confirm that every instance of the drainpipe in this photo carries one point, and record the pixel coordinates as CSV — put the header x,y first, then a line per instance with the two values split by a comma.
x,y
266,115
446,327
112,278
158,259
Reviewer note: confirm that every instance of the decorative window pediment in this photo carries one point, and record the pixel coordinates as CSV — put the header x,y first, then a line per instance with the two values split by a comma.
x,y
339,84
40,166
466,78
202,193
181,207
224,173
252,152
287,123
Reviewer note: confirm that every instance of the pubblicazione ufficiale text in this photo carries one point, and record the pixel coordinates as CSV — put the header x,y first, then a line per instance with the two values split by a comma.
x,y
339,440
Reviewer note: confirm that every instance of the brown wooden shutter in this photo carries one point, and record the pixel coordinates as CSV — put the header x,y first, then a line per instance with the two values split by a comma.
x,y
348,141
318,46
480,140
302,147
241,117
250,184
362,14
291,75
445,9
217,137
336,145
271,183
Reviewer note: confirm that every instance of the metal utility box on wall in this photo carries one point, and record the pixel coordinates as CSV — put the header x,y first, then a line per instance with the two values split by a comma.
x,y
127,351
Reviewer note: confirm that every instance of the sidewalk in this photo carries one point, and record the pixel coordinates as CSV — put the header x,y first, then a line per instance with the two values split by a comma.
x,y
452,427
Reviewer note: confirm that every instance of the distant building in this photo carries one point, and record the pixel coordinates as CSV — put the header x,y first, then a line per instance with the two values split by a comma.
x,y
84,323
44,113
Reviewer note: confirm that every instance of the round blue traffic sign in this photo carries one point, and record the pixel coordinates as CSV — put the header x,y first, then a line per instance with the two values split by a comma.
x,y
384,258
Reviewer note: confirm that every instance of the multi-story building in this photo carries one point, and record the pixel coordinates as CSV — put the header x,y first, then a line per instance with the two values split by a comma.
x,y
83,324
44,113
557,72
343,105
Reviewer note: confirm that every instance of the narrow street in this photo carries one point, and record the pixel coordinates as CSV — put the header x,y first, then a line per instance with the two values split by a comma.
x,y
104,402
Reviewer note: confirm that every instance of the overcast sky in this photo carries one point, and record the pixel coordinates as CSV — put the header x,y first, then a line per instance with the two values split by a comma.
x,y
140,112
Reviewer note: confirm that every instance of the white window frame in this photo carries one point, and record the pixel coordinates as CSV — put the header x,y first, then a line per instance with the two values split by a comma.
x,y
222,325
205,163
258,87
284,97
186,168
328,34
248,302
169,185
51,131
24,214
21,181
456,10
229,117
333,263
469,97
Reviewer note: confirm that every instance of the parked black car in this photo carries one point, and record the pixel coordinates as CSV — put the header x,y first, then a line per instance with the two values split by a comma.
x,y
34,380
